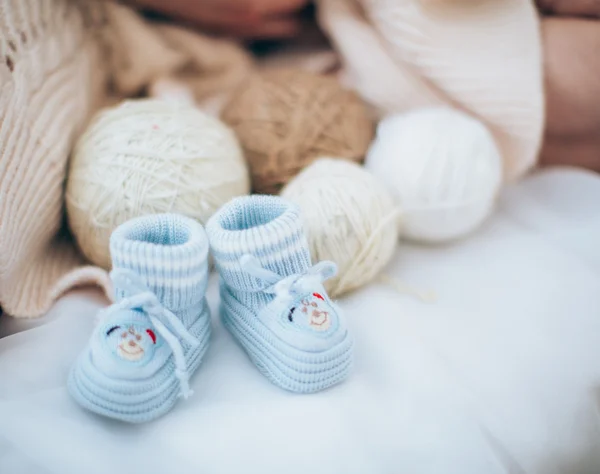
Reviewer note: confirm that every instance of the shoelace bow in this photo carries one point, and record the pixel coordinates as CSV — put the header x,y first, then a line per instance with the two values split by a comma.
x,y
286,288
164,321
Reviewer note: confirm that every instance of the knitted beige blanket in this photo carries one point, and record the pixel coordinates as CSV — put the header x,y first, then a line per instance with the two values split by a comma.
x,y
61,60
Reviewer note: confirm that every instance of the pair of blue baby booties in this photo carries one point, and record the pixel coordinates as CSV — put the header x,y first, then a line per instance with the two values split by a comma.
x,y
152,339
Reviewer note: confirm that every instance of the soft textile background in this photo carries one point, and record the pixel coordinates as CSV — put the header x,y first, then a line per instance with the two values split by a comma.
x,y
500,376
62,59
483,57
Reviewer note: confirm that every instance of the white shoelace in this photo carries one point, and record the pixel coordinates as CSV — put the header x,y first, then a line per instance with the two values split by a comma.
x,y
286,288
164,321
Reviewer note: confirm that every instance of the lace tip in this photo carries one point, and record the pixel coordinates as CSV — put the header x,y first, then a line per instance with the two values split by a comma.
x,y
185,394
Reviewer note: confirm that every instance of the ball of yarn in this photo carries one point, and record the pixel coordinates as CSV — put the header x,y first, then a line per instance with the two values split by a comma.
x,y
285,119
146,157
349,218
443,169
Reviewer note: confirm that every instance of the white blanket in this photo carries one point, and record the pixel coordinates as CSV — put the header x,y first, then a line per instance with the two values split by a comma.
x,y
500,374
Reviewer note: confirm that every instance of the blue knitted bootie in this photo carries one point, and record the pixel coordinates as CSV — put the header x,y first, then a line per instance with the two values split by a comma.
x,y
272,300
148,343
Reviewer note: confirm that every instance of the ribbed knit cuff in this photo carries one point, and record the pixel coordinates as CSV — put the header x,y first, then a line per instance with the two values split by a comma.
x,y
169,252
267,227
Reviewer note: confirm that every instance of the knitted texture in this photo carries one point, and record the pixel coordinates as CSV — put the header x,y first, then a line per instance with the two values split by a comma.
x,y
50,82
153,338
286,119
60,61
272,300
482,57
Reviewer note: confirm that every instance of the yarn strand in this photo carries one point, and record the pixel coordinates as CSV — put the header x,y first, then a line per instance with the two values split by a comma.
x,y
426,296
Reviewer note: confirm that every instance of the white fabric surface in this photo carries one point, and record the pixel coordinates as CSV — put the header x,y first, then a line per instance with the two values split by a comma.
x,y
499,375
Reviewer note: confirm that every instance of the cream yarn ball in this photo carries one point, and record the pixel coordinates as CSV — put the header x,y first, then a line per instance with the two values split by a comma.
x,y
349,218
149,156
443,169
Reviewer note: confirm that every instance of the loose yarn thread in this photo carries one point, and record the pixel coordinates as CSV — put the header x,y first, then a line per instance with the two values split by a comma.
x,y
425,296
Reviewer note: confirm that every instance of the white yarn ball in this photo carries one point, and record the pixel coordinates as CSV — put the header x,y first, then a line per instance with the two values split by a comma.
x,y
349,218
443,168
147,157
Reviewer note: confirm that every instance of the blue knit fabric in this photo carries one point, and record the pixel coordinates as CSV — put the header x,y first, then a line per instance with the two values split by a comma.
x,y
146,346
272,300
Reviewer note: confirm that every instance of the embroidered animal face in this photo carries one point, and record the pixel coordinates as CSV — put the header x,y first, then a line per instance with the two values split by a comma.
x,y
131,343
312,311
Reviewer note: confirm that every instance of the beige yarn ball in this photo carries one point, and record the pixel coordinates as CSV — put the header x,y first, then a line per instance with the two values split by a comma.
x,y
349,218
286,119
145,157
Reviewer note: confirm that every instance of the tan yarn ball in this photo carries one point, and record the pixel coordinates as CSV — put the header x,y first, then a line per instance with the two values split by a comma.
x,y
285,119
147,157
349,218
